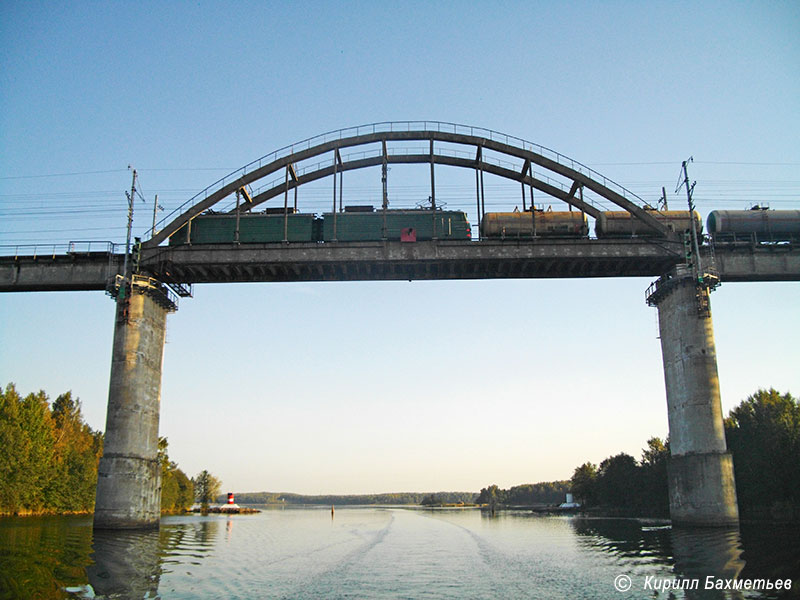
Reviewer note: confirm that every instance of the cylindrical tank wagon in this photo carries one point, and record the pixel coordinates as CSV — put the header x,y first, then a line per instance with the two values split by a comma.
x,y
757,224
534,223
611,224
624,224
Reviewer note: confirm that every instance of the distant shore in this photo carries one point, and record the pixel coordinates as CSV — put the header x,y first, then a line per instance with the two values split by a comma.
x,y
225,510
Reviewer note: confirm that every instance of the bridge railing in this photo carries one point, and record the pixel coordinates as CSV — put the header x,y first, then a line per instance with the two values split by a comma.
x,y
53,250
87,246
400,126
319,165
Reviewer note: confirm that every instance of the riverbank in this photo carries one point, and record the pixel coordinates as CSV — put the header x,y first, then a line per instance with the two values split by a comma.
x,y
68,513
776,515
45,513
238,510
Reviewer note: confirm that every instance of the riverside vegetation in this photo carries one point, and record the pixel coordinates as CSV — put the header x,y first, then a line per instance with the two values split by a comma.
x,y
426,499
762,434
50,457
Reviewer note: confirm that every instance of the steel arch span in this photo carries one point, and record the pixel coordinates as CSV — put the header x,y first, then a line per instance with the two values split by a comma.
x,y
389,142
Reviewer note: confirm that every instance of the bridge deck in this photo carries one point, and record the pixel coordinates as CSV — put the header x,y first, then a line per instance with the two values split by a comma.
x,y
370,261
413,261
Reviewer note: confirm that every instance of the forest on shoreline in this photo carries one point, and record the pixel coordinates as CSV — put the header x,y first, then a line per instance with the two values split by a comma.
x,y
396,498
50,455
763,435
50,458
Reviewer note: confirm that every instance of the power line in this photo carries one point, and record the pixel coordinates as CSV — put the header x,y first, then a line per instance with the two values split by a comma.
x,y
62,230
184,169
230,169
757,164
631,164
160,170
62,174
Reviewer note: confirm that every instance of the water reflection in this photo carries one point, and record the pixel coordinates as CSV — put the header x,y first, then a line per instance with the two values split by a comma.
x,y
130,564
127,564
693,554
193,540
510,555
772,551
700,553
42,556
626,538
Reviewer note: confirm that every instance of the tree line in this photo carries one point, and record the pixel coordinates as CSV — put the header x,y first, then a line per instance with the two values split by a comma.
x,y
624,486
529,494
177,490
49,458
763,435
354,499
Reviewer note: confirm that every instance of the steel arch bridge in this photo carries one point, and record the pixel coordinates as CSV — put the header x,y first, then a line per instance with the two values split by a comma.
x,y
392,142
701,486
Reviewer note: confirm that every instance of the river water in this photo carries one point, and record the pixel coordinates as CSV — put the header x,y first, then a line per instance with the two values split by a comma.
x,y
370,552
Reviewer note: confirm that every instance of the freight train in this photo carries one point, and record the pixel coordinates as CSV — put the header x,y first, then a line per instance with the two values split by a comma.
x,y
355,224
364,223
757,225
612,224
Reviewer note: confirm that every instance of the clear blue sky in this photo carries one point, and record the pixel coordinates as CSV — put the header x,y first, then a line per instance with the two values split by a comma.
x,y
371,387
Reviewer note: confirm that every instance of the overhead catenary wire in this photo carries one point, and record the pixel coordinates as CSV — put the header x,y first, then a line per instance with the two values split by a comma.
x,y
49,175
108,171
67,200
697,162
229,169
47,212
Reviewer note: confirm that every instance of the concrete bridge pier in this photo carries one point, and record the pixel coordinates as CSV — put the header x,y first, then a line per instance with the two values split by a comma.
x,y
701,483
129,475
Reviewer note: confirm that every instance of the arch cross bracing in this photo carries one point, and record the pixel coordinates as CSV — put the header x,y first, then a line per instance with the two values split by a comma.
x,y
388,143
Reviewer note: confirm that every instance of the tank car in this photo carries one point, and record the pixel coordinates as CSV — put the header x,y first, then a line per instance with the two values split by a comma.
x,y
623,224
757,224
533,223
